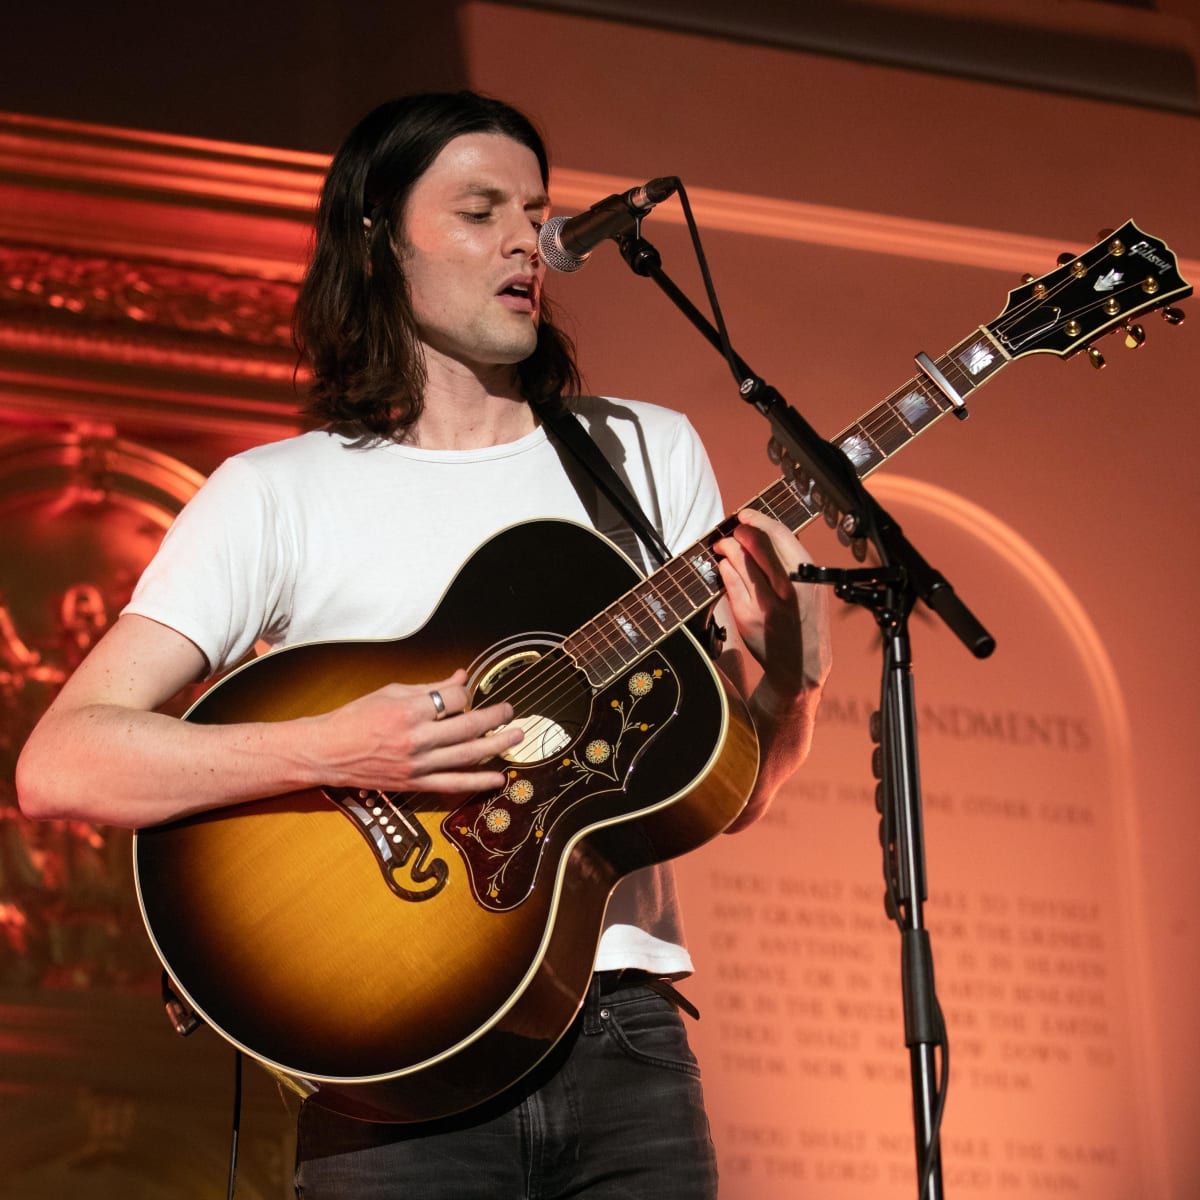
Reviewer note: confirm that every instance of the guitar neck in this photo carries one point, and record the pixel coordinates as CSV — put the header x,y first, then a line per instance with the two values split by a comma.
x,y
690,582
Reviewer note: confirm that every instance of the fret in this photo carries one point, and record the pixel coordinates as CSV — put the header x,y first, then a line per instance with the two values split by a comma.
x,y
595,650
789,508
889,432
858,447
956,374
672,591
768,506
616,639
633,623
585,650
703,570
782,501
646,594
975,358
655,607
917,404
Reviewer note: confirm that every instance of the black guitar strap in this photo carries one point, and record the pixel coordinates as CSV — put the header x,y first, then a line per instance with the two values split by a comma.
x,y
566,427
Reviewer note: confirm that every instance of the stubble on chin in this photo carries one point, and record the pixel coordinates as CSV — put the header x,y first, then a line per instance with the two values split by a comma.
x,y
511,345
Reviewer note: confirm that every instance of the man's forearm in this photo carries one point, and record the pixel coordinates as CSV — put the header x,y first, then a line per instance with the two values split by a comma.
x,y
785,730
119,766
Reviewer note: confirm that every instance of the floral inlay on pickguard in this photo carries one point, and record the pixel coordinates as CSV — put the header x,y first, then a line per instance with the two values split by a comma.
x,y
502,836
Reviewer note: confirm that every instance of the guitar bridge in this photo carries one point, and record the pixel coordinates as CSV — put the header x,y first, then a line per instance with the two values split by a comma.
x,y
397,839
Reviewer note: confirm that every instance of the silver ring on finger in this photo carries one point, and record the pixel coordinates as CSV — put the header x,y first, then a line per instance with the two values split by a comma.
x,y
439,705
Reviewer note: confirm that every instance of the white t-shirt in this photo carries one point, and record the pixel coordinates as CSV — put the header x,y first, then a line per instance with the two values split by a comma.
x,y
311,539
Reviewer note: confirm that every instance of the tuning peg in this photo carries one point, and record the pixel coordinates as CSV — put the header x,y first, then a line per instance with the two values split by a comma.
x,y
1095,358
1135,336
1105,233
1173,316
1065,257
1028,277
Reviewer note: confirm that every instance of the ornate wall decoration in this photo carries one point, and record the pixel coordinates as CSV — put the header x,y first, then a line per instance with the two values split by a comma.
x,y
39,281
146,287
81,513
149,280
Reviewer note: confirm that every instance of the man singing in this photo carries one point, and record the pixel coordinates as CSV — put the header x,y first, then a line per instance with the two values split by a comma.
x,y
423,322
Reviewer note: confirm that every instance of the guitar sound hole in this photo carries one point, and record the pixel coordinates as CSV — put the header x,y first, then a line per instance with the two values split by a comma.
x,y
549,693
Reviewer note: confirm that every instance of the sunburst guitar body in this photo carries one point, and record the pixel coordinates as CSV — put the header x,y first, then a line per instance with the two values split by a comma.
x,y
411,955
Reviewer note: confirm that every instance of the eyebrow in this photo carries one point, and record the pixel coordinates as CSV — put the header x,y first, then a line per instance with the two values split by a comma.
x,y
494,194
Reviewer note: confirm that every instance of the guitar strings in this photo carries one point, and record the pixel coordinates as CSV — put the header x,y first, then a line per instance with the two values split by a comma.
x,y
544,682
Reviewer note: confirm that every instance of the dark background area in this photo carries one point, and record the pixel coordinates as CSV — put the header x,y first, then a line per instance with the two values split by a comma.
x,y
298,75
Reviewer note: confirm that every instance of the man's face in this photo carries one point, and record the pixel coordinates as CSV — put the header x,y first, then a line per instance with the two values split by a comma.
x,y
469,250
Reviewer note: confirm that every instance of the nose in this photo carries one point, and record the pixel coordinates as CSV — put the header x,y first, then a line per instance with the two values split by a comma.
x,y
522,236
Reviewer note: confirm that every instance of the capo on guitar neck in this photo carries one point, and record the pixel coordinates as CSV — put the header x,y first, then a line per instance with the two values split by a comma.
x,y
930,369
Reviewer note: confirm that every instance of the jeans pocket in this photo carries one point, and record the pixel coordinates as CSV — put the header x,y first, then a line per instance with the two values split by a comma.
x,y
650,1030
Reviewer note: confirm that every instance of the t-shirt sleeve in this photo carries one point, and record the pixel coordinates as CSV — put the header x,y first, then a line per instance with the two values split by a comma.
x,y
220,574
694,504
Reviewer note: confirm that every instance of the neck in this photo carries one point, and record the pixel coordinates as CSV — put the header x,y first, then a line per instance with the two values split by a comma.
x,y
469,407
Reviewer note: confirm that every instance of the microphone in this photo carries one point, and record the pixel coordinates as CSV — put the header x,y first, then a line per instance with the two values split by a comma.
x,y
566,242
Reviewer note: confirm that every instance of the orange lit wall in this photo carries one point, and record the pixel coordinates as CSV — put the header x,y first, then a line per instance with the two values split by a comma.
x,y
853,214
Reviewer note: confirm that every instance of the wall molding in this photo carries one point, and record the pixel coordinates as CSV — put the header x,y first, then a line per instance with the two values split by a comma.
x,y
151,277
845,228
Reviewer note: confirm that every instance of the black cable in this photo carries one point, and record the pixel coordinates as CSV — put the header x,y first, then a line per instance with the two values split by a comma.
x,y
935,1129
718,316
237,1120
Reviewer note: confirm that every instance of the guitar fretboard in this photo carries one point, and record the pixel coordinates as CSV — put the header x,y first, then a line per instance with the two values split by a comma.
x,y
690,582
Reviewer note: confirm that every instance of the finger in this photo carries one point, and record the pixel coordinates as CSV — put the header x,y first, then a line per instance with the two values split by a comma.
x,y
471,726
452,691
734,567
468,754
418,697
763,568
791,550
784,540
463,781
760,520
766,554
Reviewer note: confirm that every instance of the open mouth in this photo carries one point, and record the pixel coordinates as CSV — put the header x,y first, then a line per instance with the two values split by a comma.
x,y
519,295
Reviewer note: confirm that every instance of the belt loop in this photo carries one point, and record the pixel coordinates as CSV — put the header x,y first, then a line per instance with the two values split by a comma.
x,y
591,1007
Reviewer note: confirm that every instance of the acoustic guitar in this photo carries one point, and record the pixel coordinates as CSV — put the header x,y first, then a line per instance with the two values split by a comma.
x,y
406,956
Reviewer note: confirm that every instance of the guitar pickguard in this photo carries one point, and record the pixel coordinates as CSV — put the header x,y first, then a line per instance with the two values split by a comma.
x,y
503,836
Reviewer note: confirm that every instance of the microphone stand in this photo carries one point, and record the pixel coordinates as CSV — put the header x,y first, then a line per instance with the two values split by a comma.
x,y
890,591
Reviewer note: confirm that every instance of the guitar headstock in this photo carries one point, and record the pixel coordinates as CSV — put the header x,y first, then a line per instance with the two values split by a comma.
x,y
1123,275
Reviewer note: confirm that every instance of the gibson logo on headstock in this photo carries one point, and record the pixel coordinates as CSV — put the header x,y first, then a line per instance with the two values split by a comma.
x,y
1146,251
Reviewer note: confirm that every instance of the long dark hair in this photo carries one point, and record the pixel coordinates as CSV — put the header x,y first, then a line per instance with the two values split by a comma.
x,y
353,324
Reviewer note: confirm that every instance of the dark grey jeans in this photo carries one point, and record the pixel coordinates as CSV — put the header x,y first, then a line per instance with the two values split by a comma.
x,y
617,1114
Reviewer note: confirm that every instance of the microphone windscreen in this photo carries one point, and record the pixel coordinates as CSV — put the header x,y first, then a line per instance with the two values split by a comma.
x,y
550,247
